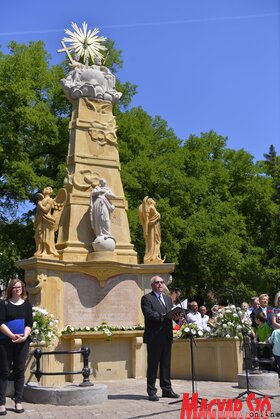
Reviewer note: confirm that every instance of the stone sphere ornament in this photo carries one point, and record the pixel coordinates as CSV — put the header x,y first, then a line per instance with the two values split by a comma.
x,y
104,244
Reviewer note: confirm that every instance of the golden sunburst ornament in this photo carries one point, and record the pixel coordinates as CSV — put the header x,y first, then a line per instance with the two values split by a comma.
x,y
85,43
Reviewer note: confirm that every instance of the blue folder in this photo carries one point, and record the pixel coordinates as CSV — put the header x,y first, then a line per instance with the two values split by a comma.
x,y
15,326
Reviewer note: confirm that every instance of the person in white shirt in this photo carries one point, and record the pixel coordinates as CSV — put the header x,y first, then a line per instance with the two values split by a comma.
x,y
194,316
255,303
245,314
204,317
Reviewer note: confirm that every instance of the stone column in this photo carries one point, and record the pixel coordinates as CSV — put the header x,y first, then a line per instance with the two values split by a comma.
x,y
92,155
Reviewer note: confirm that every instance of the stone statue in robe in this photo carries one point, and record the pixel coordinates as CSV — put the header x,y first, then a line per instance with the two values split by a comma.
x,y
46,221
101,209
150,219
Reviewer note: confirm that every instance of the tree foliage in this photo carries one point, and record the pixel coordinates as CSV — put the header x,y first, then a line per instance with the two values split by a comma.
x,y
219,209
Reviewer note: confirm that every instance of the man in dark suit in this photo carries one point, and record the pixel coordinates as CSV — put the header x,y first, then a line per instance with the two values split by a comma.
x,y
158,336
263,308
268,311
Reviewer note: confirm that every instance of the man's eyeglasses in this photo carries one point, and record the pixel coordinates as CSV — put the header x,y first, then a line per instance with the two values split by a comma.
x,y
158,282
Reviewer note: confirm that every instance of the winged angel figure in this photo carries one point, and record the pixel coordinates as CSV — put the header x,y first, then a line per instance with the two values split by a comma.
x,y
46,222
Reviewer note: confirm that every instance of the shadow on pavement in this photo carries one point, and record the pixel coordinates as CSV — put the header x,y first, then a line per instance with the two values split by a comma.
x,y
127,397
151,415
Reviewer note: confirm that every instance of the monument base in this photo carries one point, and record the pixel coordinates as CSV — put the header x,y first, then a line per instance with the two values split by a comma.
x,y
263,380
69,395
88,293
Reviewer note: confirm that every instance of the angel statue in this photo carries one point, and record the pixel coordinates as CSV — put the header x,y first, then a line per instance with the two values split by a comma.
x,y
46,221
149,218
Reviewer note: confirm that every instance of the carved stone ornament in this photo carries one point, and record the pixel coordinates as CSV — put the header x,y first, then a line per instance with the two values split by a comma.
x,y
84,80
95,82
82,179
34,282
103,136
99,107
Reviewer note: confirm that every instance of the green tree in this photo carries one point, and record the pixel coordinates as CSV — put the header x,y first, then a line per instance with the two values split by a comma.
x,y
218,215
271,166
32,133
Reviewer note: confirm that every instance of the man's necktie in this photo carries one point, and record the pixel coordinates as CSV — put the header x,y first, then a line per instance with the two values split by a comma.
x,y
161,300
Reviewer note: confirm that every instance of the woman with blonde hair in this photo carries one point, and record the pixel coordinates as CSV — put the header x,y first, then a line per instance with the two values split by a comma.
x,y
15,328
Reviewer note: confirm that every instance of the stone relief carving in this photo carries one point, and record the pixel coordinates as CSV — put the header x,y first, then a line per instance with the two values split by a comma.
x,y
46,221
82,179
103,124
101,107
103,133
150,220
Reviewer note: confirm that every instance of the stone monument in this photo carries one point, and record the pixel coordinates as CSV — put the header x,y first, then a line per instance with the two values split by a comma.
x,y
91,274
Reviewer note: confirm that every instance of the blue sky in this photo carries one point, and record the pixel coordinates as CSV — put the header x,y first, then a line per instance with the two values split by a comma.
x,y
199,64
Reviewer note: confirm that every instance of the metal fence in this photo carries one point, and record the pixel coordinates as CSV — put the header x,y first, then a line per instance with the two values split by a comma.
x,y
85,351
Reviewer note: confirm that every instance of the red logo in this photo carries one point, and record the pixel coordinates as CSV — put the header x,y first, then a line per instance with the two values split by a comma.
x,y
225,408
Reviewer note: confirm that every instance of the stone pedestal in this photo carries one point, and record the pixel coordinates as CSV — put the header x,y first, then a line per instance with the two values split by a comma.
x,y
88,293
214,359
69,395
260,381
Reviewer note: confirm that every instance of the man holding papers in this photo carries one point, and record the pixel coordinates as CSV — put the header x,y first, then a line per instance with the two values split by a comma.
x,y
158,336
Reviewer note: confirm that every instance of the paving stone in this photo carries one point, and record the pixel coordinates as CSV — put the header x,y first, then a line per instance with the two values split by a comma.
x,y
127,399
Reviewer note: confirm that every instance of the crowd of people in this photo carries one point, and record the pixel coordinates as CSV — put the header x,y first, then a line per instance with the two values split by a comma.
x,y
264,319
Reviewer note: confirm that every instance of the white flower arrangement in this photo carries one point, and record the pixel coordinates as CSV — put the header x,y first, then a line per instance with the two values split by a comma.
x,y
103,327
228,323
190,329
45,327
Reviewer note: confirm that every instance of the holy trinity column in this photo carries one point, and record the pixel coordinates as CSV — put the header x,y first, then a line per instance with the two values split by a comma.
x,y
92,267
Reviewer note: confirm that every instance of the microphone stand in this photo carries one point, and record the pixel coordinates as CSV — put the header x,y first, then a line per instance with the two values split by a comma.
x,y
192,342
245,358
